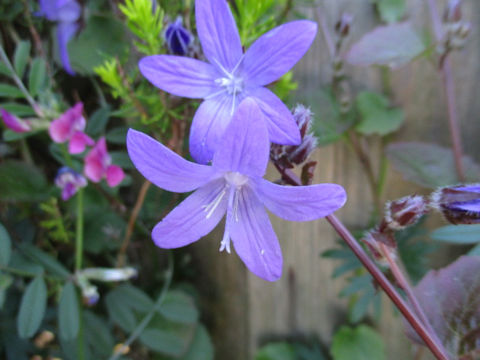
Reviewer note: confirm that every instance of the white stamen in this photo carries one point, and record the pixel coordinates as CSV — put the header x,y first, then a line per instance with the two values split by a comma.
x,y
210,208
235,204
225,243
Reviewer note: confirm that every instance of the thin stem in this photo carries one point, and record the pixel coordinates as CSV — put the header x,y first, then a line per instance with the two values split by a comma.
x,y
449,88
79,232
146,320
26,154
19,83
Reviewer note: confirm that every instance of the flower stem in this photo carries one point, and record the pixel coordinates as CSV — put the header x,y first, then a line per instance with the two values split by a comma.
x,y
449,88
146,320
79,231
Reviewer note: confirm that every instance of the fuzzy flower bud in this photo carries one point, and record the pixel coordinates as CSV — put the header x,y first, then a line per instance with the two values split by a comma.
x,y
177,38
288,156
381,245
458,204
403,212
342,27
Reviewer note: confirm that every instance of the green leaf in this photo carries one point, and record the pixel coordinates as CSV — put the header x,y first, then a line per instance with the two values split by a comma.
x,y
22,182
51,265
163,342
179,307
429,165
120,311
391,10
98,121
37,77
475,251
20,110
10,91
393,46
32,308
4,70
360,343
21,56
122,159
201,347
118,135
5,282
276,351
134,297
68,312
376,116
9,135
98,334
457,234
5,246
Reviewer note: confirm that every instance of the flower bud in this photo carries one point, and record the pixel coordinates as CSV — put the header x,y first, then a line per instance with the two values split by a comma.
x,y
307,172
342,26
178,39
382,245
458,204
69,181
453,12
403,212
14,123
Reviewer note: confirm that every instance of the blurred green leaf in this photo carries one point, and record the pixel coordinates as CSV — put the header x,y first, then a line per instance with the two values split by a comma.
x,y
98,334
457,234
122,159
4,70
21,56
9,135
179,307
20,110
375,115
5,282
391,10
10,91
276,351
32,308
68,312
360,343
162,341
120,312
201,347
37,78
98,121
117,135
52,265
5,246
22,182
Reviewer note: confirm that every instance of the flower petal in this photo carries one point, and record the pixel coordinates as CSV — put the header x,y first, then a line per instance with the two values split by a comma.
x,y
163,167
65,32
14,123
78,142
192,219
180,75
277,51
254,239
114,175
281,125
208,126
218,33
68,11
300,203
244,146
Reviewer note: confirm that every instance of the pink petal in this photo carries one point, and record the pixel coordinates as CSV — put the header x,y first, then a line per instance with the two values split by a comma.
x,y
14,123
72,120
114,175
78,142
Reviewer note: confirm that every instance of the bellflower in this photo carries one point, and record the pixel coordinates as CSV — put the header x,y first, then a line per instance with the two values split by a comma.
x,y
14,123
69,181
66,13
232,185
69,127
178,38
231,75
98,165
459,204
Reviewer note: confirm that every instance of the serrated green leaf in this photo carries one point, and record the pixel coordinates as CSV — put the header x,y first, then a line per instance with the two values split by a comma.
x,y
376,116
37,78
163,342
201,347
32,308
21,56
391,10
5,246
360,306
276,351
457,234
179,307
22,182
360,343
10,91
68,312
52,265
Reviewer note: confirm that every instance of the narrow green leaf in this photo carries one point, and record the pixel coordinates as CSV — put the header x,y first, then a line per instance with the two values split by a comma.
x,y
360,343
10,91
179,307
52,265
457,234
37,77
121,159
20,58
5,282
98,121
22,182
32,308
68,312
5,246
4,70
117,135
20,110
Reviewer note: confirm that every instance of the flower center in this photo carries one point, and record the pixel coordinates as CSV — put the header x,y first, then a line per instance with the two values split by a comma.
x,y
235,179
233,85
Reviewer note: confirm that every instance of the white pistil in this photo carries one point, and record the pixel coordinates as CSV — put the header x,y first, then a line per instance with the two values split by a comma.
x,y
210,208
232,84
225,243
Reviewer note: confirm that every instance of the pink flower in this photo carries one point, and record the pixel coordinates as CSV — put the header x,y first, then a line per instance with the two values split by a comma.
x,y
69,127
14,123
98,164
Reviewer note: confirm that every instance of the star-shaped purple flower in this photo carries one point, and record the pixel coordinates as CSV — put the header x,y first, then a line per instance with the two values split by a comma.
x,y
231,75
233,185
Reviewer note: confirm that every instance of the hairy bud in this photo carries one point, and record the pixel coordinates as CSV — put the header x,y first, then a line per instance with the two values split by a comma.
x,y
404,212
458,204
342,27
382,246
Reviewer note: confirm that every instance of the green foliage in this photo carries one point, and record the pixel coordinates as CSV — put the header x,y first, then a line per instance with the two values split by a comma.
x,y
5,246
38,76
108,72
254,19
5,282
68,312
276,351
22,182
21,57
391,11
145,23
457,234
179,307
285,85
54,222
376,116
32,308
44,259
360,343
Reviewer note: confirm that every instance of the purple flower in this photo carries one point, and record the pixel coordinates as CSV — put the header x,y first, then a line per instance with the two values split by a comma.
x,y
231,75
69,181
69,127
459,204
178,38
14,123
66,13
98,165
232,185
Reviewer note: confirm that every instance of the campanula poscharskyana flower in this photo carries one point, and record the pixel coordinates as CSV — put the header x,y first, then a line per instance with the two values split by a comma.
x,y
177,38
232,185
230,75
